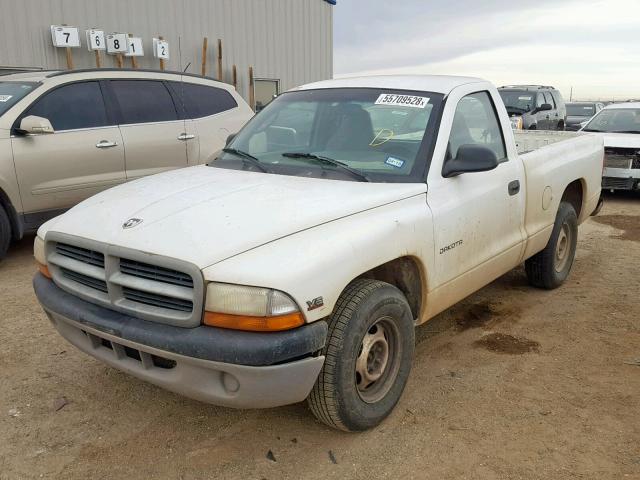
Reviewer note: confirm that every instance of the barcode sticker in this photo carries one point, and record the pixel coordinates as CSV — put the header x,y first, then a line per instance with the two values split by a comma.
x,y
5,98
395,100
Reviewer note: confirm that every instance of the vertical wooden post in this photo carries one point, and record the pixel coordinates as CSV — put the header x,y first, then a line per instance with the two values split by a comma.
x,y
69,59
162,59
252,93
98,58
220,59
205,43
134,60
119,60
234,76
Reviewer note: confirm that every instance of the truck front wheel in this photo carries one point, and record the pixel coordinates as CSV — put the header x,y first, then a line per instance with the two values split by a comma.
x,y
368,357
5,232
550,267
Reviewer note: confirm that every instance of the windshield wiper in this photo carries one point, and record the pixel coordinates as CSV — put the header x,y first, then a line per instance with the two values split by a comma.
x,y
592,130
249,158
625,131
329,161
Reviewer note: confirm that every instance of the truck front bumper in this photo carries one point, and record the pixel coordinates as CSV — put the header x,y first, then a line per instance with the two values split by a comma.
x,y
224,367
620,178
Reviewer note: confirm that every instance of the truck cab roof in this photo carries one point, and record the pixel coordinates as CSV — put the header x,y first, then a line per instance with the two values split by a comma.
x,y
430,83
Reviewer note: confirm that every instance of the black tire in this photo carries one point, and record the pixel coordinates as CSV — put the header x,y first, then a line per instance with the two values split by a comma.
x,y
341,397
5,233
561,126
550,267
533,127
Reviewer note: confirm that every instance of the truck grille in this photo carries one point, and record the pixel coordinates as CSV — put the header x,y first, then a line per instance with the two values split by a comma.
x,y
617,183
142,285
621,158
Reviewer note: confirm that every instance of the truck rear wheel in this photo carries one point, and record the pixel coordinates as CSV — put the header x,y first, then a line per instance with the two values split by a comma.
x,y
5,233
368,356
550,267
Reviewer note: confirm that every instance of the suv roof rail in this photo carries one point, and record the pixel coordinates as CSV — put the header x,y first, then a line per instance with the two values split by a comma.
x,y
143,70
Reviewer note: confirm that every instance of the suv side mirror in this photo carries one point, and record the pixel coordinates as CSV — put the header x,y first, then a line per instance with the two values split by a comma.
x,y
230,138
545,107
35,125
470,158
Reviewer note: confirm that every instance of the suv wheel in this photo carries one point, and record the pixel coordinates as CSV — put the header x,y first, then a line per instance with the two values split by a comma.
x,y
5,233
368,357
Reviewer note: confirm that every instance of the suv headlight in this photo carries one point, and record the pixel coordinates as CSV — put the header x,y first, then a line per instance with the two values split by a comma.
x,y
250,308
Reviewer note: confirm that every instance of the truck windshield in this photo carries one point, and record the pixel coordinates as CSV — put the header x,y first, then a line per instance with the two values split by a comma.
x,y
379,135
12,92
580,110
518,101
615,120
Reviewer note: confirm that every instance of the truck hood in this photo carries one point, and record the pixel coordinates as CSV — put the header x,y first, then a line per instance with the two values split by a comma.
x,y
204,215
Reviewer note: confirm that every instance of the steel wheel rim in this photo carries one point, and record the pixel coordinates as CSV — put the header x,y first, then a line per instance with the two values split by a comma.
x,y
563,248
378,361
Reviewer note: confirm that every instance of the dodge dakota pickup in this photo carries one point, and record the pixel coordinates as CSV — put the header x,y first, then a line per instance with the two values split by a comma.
x,y
296,264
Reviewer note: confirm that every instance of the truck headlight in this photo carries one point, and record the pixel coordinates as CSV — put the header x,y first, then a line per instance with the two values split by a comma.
x,y
41,260
250,308
516,123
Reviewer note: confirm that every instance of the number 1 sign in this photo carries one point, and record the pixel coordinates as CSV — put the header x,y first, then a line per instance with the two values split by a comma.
x,y
64,36
135,47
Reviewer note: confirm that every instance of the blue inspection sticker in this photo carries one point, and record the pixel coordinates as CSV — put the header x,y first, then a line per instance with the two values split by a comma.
x,y
394,162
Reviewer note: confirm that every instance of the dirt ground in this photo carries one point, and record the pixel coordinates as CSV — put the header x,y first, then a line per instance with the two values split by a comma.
x,y
512,383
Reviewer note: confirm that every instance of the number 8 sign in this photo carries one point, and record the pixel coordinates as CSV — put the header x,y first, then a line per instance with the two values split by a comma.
x,y
117,43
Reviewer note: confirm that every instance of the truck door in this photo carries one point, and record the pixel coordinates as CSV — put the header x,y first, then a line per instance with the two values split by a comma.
x,y
543,117
478,217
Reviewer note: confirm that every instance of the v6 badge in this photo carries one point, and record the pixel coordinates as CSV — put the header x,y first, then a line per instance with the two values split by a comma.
x,y
315,303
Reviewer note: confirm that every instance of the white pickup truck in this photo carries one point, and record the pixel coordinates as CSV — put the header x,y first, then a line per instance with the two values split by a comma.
x,y
298,262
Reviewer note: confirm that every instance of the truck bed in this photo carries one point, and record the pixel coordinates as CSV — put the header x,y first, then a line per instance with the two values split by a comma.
x,y
530,140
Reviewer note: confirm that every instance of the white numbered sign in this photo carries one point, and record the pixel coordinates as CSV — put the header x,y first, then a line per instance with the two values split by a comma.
x,y
117,43
95,40
135,47
161,49
64,36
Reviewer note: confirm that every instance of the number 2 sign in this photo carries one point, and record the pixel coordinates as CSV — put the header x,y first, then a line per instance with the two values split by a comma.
x,y
64,36
161,49
117,43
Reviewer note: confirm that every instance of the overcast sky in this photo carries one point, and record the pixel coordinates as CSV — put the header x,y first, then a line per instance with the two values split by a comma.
x,y
592,45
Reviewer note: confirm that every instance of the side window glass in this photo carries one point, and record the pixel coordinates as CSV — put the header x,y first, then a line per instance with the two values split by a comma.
x,y
549,99
143,101
199,101
476,123
540,100
71,107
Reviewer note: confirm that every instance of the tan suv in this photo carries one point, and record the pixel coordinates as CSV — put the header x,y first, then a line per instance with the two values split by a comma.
x,y
65,136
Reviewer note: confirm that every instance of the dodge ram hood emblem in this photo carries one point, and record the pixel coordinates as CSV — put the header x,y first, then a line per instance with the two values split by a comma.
x,y
132,222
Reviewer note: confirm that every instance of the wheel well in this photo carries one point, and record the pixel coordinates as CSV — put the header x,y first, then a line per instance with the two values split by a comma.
x,y
405,274
5,203
573,194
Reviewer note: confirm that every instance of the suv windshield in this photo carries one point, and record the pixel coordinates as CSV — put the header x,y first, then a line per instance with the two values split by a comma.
x,y
12,92
378,134
518,101
615,120
580,110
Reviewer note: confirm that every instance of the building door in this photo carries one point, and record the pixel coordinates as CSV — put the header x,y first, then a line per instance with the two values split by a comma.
x,y
265,90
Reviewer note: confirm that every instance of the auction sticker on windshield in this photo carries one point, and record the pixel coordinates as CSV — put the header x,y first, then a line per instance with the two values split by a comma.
x,y
395,100
5,98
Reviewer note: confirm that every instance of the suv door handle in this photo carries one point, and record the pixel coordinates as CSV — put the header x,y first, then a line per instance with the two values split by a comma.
x,y
186,136
514,187
106,144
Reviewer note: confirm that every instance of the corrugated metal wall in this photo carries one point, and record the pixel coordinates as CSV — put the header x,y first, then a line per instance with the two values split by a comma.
x,y
289,40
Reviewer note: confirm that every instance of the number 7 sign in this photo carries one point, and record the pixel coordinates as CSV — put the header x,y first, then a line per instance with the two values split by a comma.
x,y
64,36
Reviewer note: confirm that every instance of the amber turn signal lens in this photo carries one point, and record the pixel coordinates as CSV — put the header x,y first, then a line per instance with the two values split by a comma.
x,y
44,270
255,324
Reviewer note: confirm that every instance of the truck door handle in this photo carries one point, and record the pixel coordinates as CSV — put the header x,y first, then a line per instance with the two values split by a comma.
x,y
186,136
106,144
514,187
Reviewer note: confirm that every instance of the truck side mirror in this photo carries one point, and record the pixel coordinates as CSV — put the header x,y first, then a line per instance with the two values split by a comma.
x,y
545,107
35,125
470,158
230,139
